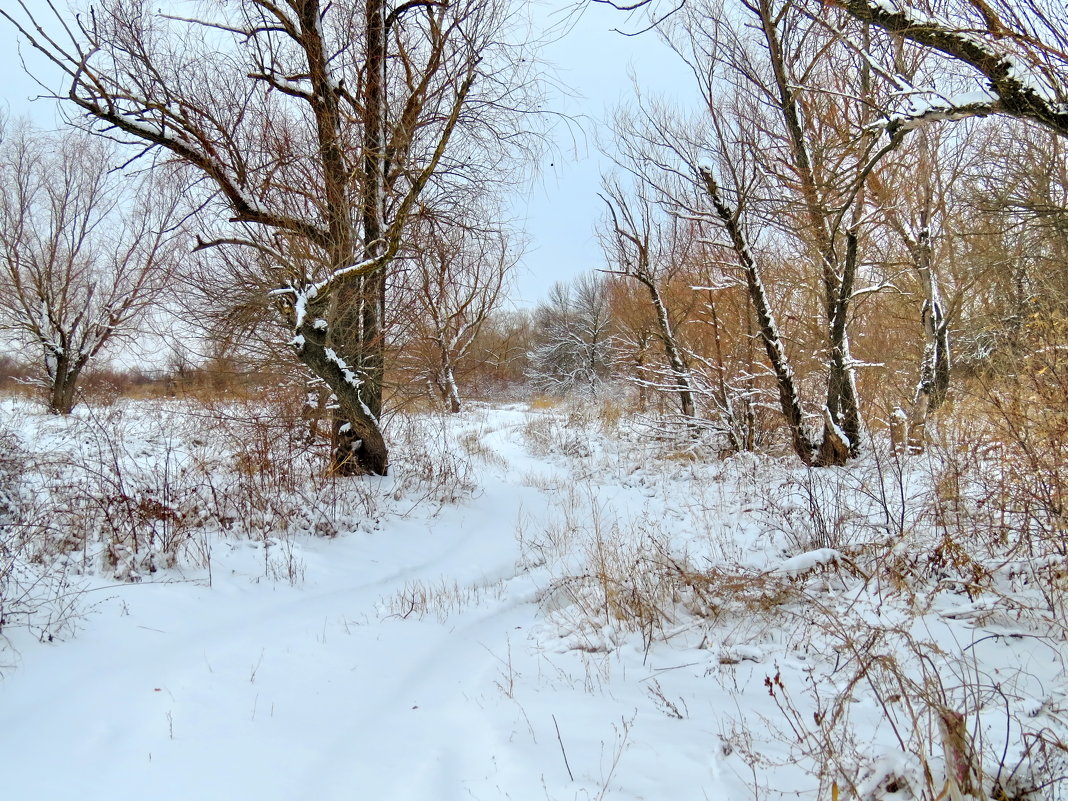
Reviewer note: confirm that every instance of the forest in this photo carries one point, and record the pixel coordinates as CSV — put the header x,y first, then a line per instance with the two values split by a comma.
x,y
770,501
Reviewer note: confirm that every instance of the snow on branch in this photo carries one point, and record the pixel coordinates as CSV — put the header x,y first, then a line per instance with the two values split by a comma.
x,y
307,295
1025,76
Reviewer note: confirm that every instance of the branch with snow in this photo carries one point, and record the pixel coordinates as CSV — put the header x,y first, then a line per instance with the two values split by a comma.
x,y
1025,76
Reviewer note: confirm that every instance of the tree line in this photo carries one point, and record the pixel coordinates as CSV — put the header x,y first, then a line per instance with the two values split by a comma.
x,y
864,200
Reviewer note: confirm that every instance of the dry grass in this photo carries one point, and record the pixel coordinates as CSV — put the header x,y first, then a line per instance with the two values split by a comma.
x,y
542,403
440,599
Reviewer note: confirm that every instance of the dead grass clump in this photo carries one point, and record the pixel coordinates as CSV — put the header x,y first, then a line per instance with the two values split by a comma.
x,y
474,444
41,598
951,725
541,403
1010,448
136,488
419,599
633,582
554,433
428,464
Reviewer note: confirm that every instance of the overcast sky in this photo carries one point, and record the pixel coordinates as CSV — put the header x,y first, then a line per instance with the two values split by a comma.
x,y
560,207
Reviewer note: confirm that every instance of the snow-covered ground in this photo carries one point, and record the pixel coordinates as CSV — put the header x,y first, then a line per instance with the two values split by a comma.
x,y
536,605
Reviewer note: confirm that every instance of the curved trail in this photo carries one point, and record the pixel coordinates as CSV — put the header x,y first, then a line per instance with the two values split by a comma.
x,y
253,689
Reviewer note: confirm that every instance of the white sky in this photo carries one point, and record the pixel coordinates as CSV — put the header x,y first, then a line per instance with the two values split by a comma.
x,y
561,206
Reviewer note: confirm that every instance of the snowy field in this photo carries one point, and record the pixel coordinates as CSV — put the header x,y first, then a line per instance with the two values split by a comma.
x,y
536,604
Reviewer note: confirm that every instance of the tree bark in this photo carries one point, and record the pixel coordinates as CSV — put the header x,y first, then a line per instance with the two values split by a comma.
x,y
933,384
359,447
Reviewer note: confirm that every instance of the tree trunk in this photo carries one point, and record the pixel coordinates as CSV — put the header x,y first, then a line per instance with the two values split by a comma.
x,y
842,422
356,373
843,418
63,385
350,354
61,395
450,393
359,447
738,431
679,371
789,400
933,384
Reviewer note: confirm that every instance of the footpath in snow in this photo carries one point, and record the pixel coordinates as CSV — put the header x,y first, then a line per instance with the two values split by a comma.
x,y
457,651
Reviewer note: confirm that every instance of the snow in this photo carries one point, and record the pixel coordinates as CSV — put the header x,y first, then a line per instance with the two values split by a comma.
x,y
350,376
459,633
810,560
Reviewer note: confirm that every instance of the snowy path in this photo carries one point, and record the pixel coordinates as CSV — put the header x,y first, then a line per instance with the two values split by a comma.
x,y
255,689
471,652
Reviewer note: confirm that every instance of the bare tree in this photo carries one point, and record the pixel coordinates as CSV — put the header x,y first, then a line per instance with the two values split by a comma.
x,y
315,131
920,198
779,166
574,341
456,277
84,251
641,249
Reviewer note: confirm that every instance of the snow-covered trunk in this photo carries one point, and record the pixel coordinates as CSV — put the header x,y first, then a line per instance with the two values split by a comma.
x,y
842,421
453,394
639,371
933,384
349,354
358,443
450,392
63,382
355,337
789,400
680,372
62,373
842,404
359,447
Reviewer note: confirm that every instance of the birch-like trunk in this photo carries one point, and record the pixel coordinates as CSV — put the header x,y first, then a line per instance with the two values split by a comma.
x,y
933,384
450,392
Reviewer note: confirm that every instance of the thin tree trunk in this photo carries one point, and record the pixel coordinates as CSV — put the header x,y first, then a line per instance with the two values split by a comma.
x,y
789,400
679,371
735,435
841,435
450,393
933,384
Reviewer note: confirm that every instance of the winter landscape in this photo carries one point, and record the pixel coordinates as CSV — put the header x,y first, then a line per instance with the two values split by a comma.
x,y
301,498
538,605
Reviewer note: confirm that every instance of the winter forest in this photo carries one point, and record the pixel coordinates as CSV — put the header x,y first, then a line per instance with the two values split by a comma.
x,y
768,500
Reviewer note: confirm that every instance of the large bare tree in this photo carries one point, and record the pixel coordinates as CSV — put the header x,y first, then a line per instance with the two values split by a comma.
x,y
314,132
85,251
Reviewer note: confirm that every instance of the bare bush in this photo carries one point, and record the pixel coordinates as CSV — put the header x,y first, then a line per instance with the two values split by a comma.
x,y
46,601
